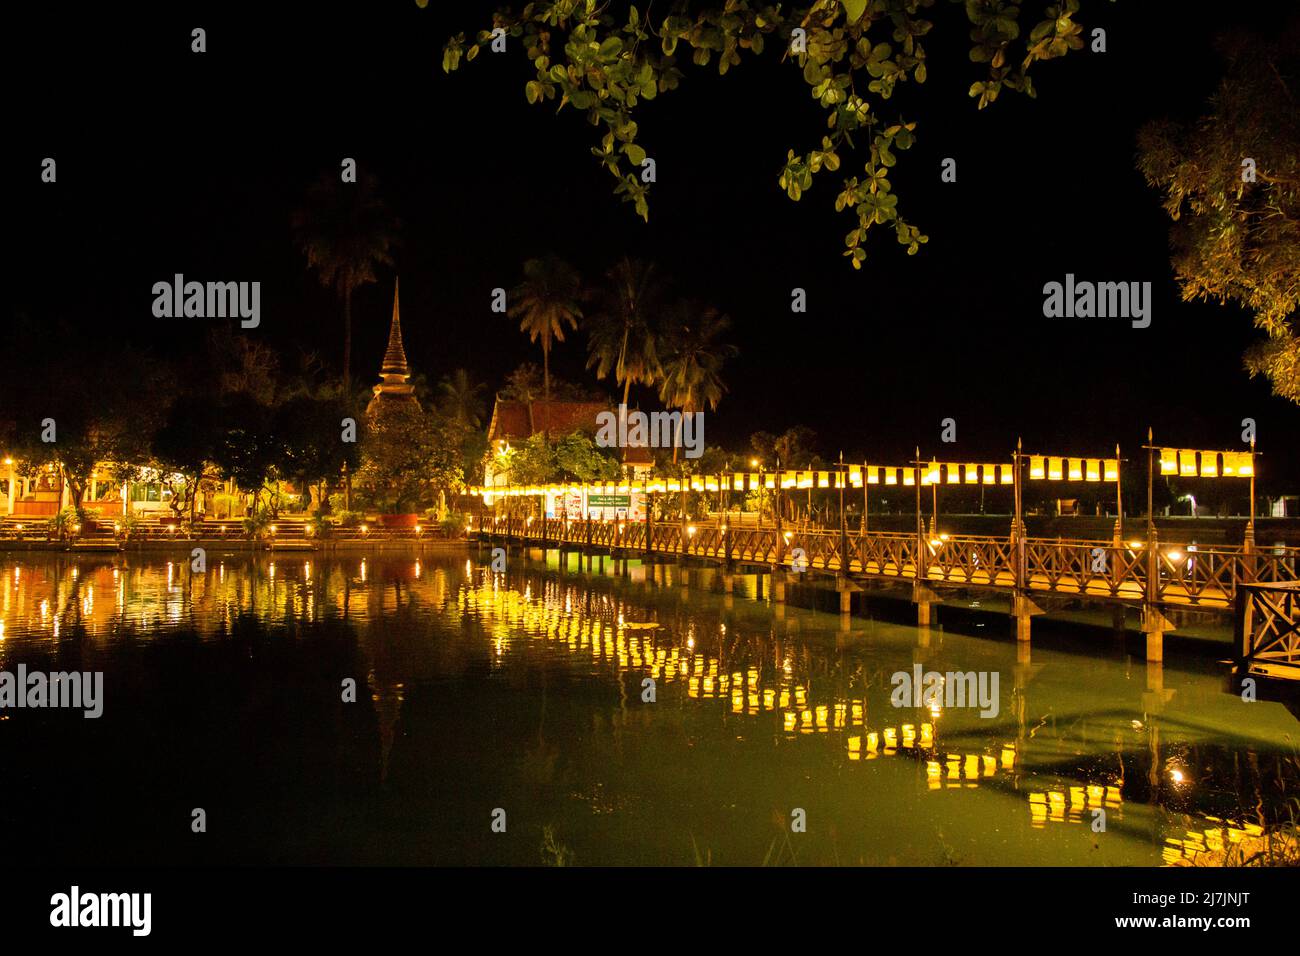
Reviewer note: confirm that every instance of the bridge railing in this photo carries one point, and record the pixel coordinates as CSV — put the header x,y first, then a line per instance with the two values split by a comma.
x,y
1208,576
1268,618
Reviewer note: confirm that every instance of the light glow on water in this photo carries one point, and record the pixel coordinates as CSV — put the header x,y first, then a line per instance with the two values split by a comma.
x,y
751,713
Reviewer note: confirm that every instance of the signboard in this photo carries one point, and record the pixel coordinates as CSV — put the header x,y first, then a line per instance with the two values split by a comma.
x,y
599,507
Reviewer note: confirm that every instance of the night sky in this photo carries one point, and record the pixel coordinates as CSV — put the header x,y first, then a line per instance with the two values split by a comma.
x,y
171,162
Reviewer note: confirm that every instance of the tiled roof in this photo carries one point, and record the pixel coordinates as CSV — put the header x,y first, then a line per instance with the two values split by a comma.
x,y
515,421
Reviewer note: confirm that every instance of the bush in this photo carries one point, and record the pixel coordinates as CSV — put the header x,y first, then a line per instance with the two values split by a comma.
x,y
453,526
255,525
65,524
349,519
318,526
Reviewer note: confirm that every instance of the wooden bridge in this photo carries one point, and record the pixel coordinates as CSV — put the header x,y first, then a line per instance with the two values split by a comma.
x,y
1153,577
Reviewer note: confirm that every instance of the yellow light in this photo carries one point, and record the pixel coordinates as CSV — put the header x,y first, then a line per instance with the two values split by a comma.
x,y
690,530
1175,555
274,529
1186,463
753,463
1112,469
365,529
1076,469
418,529
1168,461
1135,545
1036,468
788,535
1055,470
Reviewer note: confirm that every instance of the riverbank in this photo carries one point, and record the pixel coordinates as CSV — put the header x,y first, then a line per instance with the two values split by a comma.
x,y
229,546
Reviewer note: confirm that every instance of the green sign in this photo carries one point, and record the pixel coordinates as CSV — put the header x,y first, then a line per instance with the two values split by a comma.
x,y
609,501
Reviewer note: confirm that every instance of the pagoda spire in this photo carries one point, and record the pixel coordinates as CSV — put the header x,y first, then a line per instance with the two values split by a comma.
x,y
395,356
394,386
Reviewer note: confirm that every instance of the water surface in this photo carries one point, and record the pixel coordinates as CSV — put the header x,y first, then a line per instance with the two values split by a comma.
x,y
523,692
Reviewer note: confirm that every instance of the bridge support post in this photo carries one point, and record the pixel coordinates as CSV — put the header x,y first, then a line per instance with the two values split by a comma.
x,y
846,588
1024,609
778,586
1154,625
923,597
728,582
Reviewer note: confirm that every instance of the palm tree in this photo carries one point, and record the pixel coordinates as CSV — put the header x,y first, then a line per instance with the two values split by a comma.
x,y
460,398
549,297
622,332
692,359
345,230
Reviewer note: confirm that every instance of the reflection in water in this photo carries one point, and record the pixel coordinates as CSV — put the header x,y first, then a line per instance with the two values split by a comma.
x,y
528,689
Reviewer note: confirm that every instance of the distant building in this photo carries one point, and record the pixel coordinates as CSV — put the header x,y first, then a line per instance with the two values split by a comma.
x,y
514,422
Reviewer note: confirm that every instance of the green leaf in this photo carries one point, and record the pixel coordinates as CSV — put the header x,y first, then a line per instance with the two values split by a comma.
x,y
635,153
854,9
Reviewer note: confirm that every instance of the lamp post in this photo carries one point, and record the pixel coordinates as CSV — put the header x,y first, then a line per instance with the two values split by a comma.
x,y
1119,499
1249,539
865,497
844,528
934,505
920,533
1153,566
777,497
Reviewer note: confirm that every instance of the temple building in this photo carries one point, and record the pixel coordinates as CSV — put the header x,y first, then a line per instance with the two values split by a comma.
x,y
394,390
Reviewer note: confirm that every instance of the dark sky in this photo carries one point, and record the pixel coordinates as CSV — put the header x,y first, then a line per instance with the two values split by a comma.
x,y
174,162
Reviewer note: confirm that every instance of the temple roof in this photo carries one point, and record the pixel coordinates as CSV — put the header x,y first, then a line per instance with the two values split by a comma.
x,y
515,421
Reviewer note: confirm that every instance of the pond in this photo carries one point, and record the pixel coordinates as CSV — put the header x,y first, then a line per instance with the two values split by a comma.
x,y
506,718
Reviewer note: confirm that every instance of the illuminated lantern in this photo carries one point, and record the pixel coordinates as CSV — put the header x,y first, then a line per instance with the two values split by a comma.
x,y
1055,469
1008,474
1036,469
972,474
1093,469
891,476
1187,463
1209,464
1168,461
1111,469
1076,469
873,476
